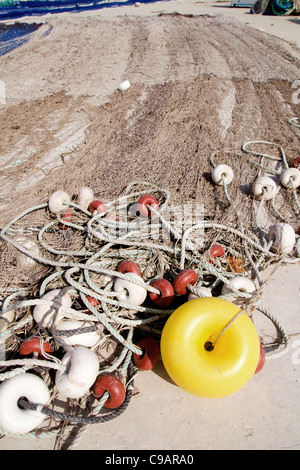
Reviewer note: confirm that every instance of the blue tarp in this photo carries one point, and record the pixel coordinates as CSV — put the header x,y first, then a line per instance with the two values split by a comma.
x,y
273,7
11,9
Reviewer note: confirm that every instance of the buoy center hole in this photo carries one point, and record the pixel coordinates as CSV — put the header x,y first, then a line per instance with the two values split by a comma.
x,y
208,346
21,402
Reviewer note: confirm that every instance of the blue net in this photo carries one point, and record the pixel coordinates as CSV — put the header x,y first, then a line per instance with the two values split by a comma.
x,y
13,36
10,9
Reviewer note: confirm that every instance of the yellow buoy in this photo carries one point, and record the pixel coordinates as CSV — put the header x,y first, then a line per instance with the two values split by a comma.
x,y
202,361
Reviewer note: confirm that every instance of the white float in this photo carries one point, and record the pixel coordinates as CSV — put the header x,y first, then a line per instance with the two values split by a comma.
x,y
202,291
40,311
264,186
130,292
14,419
283,237
124,85
222,171
57,200
241,284
82,367
88,339
288,175
85,197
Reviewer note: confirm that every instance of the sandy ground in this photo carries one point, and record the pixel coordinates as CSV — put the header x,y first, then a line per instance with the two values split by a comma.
x,y
206,78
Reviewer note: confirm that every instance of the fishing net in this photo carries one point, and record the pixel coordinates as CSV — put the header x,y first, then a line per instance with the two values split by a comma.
x,y
13,36
78,251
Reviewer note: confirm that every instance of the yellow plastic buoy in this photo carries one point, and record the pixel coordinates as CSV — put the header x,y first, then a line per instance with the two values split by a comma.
x,y
200,360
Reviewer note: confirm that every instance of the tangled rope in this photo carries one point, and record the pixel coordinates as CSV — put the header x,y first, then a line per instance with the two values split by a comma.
x,y
80,253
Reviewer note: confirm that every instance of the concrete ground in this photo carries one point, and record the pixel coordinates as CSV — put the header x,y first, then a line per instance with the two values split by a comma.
x,y
262,415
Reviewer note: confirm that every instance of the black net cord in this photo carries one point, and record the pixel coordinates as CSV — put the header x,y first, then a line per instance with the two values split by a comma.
x,y
25,404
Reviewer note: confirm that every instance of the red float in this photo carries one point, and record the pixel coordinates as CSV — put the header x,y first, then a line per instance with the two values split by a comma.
x,y
129,267
183,279
94,302
98,206
166,296
216,251
297,162
67,216
35,345
150,356
144,202
261,361
111,384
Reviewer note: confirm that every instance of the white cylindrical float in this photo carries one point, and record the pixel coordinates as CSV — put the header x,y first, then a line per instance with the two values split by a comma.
x,y
14,419
82,366
240,284
85,197
124,85
45,315
202,291
264,186
283,237
221,172
290,175
130,292
57,200
88,339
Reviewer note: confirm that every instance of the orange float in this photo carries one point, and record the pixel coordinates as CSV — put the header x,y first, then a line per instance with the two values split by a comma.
x,y
235,264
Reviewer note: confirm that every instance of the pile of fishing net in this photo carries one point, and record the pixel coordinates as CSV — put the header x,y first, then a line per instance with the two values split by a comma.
x,y
87,285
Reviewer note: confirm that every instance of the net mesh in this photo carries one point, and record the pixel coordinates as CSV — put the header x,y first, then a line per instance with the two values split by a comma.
x,y
13,36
